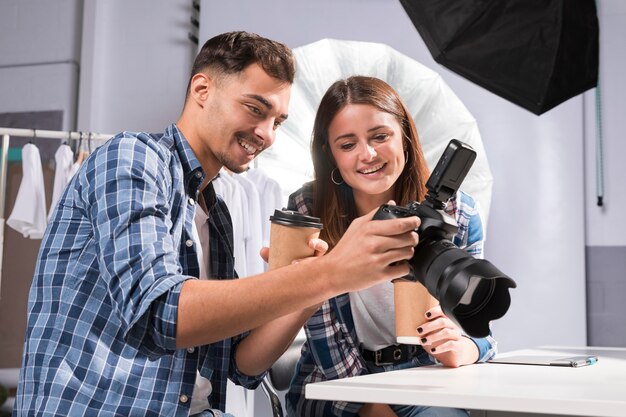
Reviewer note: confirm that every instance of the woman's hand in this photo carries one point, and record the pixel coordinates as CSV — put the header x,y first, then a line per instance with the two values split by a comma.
x,y
318,245
443,339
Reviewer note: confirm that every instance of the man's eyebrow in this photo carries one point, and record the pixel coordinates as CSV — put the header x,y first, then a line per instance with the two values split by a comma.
x,y
266,103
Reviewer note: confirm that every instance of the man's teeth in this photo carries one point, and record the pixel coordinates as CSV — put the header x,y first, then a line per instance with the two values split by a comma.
x,y
373,169
249,148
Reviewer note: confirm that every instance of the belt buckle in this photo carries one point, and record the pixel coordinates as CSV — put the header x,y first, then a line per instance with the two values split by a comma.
x,y
377,357
397,355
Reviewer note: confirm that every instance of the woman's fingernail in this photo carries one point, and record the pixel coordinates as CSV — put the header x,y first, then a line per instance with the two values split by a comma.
x,y
423,340
419,330
428,315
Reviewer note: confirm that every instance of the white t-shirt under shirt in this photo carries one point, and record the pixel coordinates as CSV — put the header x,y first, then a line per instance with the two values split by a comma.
x,y
237,401
200,231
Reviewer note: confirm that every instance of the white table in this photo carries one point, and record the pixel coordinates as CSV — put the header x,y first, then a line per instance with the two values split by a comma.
x,y
596,390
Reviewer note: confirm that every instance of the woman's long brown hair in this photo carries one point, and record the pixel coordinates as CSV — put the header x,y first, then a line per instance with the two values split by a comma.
x,y
334,204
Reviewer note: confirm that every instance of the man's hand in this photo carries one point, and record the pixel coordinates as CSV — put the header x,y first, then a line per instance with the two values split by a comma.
x,y
373,251
443,339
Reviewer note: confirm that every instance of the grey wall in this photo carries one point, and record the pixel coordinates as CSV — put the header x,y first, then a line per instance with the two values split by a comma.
x,y
604,226
39,56
135,64
606,288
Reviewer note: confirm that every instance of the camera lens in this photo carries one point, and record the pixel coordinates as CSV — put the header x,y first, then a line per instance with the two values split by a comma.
x,y
472,292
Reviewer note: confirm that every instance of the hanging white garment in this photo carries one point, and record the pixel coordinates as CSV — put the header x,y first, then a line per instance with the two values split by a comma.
x,y
64,160
82,155
29,213
253,233
271,198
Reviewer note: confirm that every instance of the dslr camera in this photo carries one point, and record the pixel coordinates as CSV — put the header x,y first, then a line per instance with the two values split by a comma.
x,y
471,291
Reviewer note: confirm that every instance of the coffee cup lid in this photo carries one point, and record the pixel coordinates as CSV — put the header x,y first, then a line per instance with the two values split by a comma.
x,y
295,219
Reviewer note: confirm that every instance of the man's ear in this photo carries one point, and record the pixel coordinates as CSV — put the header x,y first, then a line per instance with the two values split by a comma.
x,y
201,85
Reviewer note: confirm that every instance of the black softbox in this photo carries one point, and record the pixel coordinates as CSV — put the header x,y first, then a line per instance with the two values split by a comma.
x,y
534,53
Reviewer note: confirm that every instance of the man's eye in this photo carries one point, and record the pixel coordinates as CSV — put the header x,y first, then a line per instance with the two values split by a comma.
x,y
253,109
277,124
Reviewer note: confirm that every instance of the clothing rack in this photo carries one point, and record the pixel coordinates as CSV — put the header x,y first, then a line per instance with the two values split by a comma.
x,y
6,133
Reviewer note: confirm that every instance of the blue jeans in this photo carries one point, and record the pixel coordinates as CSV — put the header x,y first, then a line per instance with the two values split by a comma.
x,y
417,410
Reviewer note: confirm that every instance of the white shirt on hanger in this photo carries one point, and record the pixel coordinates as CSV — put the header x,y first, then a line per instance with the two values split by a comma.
x,y
271,198
64,160
237,203
254,225
29,212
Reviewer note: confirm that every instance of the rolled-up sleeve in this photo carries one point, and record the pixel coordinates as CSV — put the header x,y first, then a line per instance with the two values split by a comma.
x,y
129,206
235,375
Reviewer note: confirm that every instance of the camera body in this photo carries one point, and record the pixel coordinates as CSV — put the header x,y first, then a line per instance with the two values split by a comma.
x,y
435,224
471,291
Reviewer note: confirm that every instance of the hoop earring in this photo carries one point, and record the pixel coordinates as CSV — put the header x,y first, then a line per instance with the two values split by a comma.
x,y
332,177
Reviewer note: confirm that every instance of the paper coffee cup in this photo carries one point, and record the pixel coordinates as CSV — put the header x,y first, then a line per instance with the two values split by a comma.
x,y
290,233
411,301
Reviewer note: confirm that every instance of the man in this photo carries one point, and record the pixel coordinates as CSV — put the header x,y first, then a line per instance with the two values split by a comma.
x,y
118,321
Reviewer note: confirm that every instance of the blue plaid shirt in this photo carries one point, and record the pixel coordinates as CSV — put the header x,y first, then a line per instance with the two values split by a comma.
x,y
103,305
332,347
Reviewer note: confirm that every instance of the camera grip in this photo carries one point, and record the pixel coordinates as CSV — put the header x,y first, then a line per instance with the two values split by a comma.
x,y
386,212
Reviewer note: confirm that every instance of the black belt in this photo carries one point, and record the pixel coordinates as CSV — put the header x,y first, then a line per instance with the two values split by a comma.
x,y
392,355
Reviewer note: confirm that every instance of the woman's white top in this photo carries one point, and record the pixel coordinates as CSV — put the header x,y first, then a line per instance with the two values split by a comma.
x,y
374,317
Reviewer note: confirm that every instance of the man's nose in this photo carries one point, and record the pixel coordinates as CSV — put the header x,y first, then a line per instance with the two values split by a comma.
x,y
265,131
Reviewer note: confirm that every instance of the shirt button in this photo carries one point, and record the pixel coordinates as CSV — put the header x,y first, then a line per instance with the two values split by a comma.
x,y
189,243
191,201
191,350
183,398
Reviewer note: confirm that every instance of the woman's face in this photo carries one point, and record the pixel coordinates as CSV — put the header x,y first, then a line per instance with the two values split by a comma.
x,y
367,146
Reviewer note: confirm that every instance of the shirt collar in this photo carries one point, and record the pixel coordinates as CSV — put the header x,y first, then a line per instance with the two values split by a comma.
x,y
192,170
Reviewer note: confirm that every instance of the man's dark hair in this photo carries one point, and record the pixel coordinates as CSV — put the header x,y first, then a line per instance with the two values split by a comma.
x,y
233,52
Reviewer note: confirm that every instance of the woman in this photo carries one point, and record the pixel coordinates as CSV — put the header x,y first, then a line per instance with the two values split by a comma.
x,y
366,152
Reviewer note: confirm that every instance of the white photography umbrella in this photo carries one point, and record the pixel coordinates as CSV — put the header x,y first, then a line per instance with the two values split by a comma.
x,y
438,113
